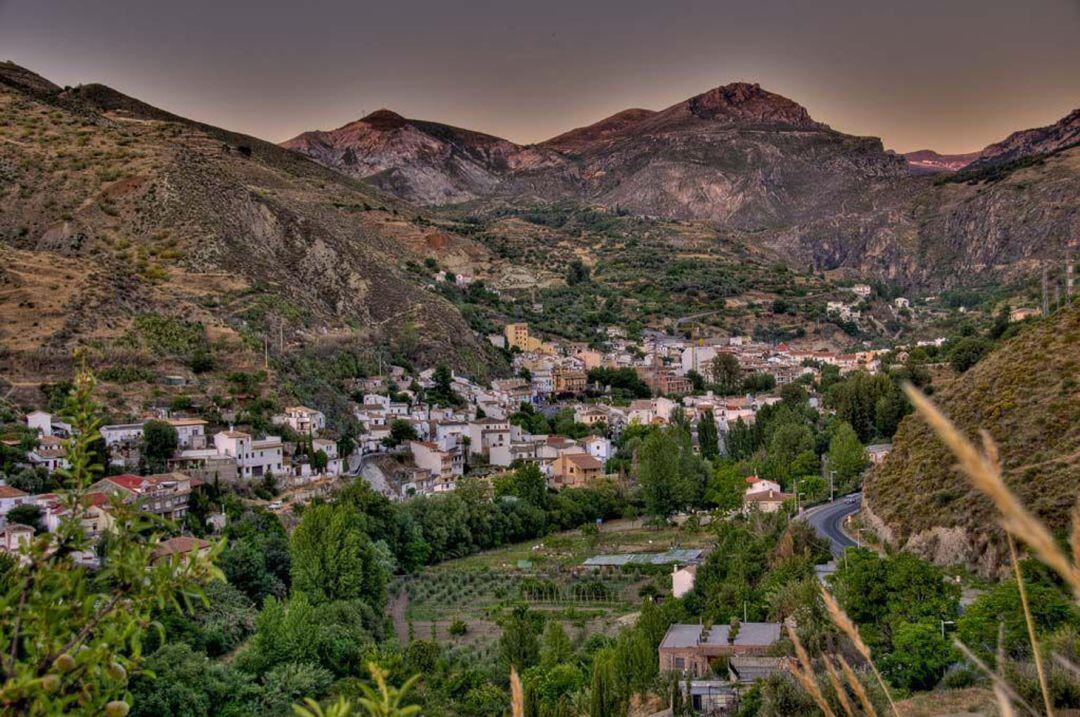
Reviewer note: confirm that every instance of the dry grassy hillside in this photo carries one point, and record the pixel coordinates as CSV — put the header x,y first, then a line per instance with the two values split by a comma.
x,y
1027,395
114,211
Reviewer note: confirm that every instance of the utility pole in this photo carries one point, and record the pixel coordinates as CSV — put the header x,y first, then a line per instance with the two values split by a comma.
x,y
1045,293
832,485
1068,276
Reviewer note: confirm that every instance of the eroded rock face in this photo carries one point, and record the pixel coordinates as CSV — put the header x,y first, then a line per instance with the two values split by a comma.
x,y
423,162
946,546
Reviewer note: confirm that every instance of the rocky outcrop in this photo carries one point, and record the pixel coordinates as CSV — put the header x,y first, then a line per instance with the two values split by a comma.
x,y
1032,142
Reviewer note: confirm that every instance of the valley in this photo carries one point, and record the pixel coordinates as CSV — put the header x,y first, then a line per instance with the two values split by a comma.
x,y
625,422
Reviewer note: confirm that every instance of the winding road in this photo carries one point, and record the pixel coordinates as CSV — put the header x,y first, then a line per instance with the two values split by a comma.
x,y
828,519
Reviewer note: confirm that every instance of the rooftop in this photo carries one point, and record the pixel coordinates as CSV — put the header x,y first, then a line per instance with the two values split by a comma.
x,y
750,634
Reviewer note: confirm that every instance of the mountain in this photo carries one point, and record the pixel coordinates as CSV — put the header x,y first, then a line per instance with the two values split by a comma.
x,y
754,164
611,127
1025,393
119,216
422,162
1061,135
927,161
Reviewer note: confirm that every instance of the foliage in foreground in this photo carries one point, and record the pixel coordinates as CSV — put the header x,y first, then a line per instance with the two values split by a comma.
x,y
71,636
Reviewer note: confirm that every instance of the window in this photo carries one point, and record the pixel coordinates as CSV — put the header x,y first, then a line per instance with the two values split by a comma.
x,y
680,663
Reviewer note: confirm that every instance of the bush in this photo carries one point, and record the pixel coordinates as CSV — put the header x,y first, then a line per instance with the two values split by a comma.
x,y
126,374
458,628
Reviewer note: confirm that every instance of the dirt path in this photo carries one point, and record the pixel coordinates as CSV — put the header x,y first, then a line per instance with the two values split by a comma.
x,y
397,612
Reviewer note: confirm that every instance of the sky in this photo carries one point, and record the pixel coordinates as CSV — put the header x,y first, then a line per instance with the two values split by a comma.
x,y
950,75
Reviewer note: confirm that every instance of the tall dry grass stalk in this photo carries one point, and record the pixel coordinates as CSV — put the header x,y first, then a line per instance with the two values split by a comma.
x,y
842,621
1030,622
517,695
804,674
998,681
984,471
838,687
857,686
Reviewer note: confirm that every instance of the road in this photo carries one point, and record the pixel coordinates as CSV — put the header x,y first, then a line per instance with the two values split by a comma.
x,y
828,518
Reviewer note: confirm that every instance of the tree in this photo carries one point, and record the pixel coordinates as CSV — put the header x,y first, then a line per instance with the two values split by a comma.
x,y
759,382
708,438
526,483
789,445
846,455
578,273
26,514
188,684
71,637
740,440
400,431
333,557
726,373
383,700
518,643
443,393
160,442
605,698
256,558
670,475
920,656
319,461
346,445
555,646
697,381
855,399
967,352
33,481
1050,610
727,487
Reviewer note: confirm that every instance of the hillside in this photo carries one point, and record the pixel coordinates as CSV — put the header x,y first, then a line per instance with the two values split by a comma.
x,y
1030,142
424,162
927,161
755,165
1026,394
115,211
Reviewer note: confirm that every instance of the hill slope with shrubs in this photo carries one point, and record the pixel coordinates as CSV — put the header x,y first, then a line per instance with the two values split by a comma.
x,y
1026,394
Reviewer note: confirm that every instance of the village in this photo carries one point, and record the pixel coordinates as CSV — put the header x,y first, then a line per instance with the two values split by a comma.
x,y
413,444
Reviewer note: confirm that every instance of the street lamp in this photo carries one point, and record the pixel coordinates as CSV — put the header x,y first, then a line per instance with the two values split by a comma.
x,y
832,485
943,624
858,540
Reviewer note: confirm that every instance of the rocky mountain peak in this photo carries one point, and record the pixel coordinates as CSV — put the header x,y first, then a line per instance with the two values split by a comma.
x,y
746,102
384,119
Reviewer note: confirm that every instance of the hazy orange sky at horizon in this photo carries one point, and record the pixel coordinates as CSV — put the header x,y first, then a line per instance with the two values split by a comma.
x,y
949,75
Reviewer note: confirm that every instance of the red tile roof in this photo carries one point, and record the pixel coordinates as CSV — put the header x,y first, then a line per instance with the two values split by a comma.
x,y
128,482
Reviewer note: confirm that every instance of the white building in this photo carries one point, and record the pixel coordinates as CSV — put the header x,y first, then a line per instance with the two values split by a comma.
x,y
254,458
190,432
121,433
305,421
598,447
682,580
334,462
488,433
11,498
443,466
